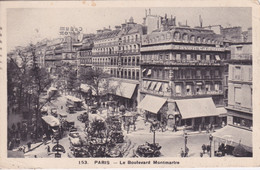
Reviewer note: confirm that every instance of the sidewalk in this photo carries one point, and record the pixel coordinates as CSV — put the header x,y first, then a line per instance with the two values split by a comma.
x,y
143,128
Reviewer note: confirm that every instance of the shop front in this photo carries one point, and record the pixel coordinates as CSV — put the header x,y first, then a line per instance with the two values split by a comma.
x,y
233,141
155,108
197,113
124,93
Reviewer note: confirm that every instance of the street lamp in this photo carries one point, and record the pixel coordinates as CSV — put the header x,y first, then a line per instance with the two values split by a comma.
x,y
185,145
210,139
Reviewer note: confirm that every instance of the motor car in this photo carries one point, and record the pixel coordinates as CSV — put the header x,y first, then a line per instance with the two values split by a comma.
x,y
73,136
54,112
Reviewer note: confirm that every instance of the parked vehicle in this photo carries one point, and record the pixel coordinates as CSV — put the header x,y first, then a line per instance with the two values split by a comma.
x,y
148,150
83,117
54,112
70,109
74,135
44,111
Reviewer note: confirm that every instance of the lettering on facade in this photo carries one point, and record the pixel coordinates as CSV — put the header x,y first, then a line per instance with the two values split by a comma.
x,y
70,30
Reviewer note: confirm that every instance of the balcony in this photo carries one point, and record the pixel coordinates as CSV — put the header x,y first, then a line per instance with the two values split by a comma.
x,y
104,53
182,63
130,51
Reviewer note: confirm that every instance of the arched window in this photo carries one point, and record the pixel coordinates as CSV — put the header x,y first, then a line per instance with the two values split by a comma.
x,y
185,37
192,39
176,36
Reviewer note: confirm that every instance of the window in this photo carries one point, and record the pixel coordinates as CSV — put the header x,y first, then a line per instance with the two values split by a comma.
x,y
166,74
239,48
188,89
216,87
133,74
137,61
198,73
207,57
188,57
172,57
238,95
237,73
178,89
198,88
207,87
216,73
178,57
198,57
167,57
137,75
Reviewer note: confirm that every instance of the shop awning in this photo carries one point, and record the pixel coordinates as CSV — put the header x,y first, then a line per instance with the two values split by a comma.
x,y
222,111
159,84
200,107
151,103
153,85
51,120
122,89
233,136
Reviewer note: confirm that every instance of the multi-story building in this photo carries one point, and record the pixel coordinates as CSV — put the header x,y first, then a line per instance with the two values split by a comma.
x,y
240,85
118,53
238,131
182,74
84,54
40,52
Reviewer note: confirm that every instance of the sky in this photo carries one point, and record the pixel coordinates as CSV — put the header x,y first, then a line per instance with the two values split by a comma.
x,y
25,25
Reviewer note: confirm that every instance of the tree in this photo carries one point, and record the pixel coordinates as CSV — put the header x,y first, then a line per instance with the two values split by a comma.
x,y
97,80
41,81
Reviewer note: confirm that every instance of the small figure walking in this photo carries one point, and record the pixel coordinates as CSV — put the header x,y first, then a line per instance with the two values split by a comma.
x,y
29,145
48,149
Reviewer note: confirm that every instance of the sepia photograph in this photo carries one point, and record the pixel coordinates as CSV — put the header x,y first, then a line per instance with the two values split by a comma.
x,y
142,82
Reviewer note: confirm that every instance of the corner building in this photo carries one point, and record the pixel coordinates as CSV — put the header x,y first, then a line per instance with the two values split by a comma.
x,y
182,76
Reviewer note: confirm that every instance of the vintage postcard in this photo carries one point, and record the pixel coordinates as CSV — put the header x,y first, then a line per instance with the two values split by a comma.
x,y
129,84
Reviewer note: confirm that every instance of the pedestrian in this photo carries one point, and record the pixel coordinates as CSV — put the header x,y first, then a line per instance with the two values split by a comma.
x,y
29,145
213,128
200,128
182,153
223,124
203,148
48,149
61,107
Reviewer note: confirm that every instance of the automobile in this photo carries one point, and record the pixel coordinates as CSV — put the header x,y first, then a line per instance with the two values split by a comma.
x,y
73,136
83,117
70,109
44,111
62,116
73,129
149,150
93,109
54,112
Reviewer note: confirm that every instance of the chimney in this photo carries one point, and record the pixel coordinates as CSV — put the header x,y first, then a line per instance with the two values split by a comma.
x,y
149,11
117,27
145,12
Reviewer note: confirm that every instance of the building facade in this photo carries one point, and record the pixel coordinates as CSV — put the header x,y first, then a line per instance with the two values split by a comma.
x,y
183,66
240,86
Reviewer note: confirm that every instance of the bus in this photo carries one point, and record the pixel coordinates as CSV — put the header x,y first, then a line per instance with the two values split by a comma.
x,y
75,102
